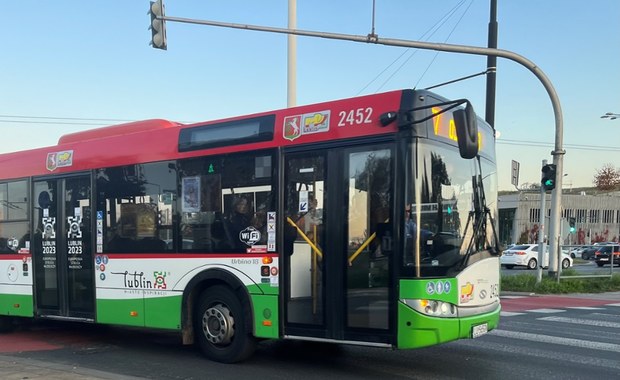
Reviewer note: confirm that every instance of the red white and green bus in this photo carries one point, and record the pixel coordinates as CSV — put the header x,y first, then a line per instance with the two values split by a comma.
x,y
279,225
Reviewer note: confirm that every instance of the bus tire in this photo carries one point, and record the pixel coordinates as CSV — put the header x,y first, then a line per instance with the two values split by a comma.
x,y
219,326
6,324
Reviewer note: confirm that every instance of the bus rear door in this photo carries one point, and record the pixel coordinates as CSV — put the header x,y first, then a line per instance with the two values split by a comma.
x,y
62,252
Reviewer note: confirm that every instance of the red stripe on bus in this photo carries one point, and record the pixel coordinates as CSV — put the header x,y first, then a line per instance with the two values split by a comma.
x,y
187,255
12,256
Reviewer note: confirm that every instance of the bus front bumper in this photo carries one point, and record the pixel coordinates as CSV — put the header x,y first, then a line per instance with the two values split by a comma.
x,y
417,330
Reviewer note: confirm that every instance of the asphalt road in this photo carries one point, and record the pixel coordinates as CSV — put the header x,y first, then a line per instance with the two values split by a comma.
x,y
539,337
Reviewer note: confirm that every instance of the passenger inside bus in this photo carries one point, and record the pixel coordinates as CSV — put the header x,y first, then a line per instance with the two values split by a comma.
x,y
259,221
411,230
240,218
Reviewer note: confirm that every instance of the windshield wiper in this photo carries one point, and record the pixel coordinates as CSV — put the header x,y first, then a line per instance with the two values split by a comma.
x,y
480,215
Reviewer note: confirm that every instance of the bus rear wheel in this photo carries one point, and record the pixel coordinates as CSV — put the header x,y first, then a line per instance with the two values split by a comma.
x,y
219,326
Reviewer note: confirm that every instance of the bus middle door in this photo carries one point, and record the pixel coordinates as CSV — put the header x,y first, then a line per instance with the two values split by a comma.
x,y
62,253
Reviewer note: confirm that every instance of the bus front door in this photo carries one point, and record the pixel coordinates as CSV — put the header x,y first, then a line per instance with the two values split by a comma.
x,y
338,282
62,253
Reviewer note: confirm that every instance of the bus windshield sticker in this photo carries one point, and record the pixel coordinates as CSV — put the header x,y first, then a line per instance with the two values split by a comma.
x,y
303,201
271,231
257,249
99,231
250,236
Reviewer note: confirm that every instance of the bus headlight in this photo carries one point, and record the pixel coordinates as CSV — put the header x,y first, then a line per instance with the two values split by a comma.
x,y
432,307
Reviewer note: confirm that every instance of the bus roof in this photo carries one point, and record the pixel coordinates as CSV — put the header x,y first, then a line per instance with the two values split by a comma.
x,y
116,130
158,140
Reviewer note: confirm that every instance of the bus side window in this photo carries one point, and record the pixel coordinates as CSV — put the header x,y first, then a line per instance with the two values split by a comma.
x,y
234,197
138,207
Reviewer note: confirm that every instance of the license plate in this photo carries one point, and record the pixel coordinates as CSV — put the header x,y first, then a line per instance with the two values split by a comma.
x,y
479,330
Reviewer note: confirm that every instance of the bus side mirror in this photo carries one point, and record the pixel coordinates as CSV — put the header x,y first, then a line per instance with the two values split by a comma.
x,y
466,125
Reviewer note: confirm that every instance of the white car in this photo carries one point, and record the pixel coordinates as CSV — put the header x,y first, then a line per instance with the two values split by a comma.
x,y
577,251
527,255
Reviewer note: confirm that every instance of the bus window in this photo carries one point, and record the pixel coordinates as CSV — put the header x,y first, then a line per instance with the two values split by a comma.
x,y
225,202
14,229
440,209
137,202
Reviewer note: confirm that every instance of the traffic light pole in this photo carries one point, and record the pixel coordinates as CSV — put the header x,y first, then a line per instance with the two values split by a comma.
x,y
557,153
541,230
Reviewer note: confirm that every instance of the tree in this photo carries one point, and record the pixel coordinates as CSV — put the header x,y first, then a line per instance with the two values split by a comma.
x,y
607,177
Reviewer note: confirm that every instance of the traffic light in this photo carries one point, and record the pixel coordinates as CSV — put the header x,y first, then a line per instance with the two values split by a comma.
x,y
571,224
548,177
158,26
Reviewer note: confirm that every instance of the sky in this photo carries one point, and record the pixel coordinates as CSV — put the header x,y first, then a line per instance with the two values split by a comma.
x,y
72,65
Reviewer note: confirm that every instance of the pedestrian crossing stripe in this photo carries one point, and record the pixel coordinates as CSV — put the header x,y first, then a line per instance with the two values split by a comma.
x,y
582,322
545,311
509,313
592,345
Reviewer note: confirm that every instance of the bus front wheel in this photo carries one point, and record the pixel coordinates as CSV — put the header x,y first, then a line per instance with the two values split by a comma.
x,y
219,326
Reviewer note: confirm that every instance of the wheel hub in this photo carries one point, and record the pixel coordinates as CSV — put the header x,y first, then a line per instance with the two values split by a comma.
x,y
218,325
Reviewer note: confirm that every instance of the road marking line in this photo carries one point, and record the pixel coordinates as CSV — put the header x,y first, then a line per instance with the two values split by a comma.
x,y
581,321
509,313
546,311
613,304
557,340
512,297
585,308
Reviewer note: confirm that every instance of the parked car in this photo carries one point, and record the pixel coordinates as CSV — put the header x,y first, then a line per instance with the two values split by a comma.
x,y
588,253
527,255
577,251
603,255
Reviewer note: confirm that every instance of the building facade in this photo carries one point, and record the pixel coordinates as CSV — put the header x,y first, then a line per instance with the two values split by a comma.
x,y
597,217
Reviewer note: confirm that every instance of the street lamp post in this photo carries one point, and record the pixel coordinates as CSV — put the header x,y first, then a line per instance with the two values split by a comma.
x,y
611,116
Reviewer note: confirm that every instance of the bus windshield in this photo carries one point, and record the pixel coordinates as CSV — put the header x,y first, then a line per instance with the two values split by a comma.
x,y
440,202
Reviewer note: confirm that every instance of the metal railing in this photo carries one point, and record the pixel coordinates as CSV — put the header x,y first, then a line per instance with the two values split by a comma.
x,y
588,253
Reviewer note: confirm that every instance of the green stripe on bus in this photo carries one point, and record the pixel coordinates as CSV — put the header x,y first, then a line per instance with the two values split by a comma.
x,y
263,289
19,305
161,312
266,317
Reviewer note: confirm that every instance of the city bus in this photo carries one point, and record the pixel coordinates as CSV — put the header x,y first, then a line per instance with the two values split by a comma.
x,y
287,224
